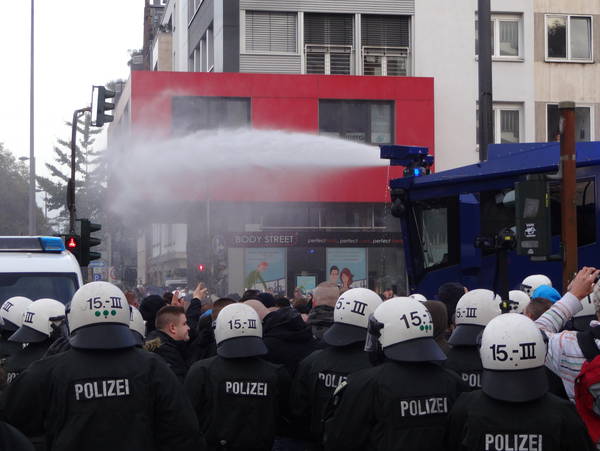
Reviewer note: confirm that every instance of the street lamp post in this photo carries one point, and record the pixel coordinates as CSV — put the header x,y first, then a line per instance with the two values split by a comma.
x,y
32,216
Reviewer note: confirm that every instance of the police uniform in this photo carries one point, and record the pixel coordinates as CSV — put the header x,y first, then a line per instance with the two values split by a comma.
x,y
238,397
403,403
513,410
473,311
41,325
11,314
320,373
465,361
104,393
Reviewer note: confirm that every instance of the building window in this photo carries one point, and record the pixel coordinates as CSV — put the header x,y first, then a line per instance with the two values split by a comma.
x,y
568,38
385,45
271,32
508,118
362,121
583,123
210,50
328,40
506,36
191,113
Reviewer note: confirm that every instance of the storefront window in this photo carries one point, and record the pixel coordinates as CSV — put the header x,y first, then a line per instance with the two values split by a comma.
x,y
193,113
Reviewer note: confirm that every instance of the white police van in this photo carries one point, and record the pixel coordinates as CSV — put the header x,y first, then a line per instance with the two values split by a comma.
x,y
37,267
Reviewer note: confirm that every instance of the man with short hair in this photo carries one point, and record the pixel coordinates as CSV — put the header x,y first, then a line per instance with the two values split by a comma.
x,y
536,308
169,339
321,315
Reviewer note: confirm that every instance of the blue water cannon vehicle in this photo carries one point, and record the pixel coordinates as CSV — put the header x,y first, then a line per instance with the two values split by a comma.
x,y
454,221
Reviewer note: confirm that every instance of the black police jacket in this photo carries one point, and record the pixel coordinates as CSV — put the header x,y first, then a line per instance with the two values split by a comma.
x,y
239,402
316,379
478,422
19,361
173,352
115,400
288,338
466,362
393,406
8,348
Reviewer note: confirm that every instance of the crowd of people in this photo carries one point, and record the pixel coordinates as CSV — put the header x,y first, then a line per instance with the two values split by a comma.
x,y
350,370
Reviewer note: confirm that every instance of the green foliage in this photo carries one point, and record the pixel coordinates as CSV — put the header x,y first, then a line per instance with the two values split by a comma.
x,y
89,177
14,202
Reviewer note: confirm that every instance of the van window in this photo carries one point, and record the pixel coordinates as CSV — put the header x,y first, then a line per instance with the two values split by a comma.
x,y
59,286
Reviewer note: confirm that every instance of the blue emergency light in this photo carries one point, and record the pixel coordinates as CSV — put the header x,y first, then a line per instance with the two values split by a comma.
x,y
52,243
415,159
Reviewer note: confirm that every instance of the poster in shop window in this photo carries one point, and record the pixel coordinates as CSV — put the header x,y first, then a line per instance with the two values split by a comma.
x,y
265,269
351,264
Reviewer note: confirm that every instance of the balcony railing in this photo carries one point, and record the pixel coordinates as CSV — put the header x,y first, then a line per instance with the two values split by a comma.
x,y
328,59
393,61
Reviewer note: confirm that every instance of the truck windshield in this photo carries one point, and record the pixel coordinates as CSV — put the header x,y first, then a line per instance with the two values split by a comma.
x,y
59,286
436,225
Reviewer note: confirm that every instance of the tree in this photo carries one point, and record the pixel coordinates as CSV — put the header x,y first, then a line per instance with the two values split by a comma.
x,y
14,202
86,161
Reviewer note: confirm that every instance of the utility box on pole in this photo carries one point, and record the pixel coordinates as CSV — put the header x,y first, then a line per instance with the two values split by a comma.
x,y
532,217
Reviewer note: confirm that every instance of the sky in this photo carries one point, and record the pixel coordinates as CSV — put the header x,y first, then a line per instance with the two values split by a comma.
x,y
78,43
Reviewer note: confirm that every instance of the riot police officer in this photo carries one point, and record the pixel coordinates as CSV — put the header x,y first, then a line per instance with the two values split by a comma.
x,y
238,397
320,373
513,409
42,321
103,393
533,282
403,403
474,310
11,317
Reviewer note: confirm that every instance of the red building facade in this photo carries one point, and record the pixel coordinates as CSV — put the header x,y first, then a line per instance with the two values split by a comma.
x,y
372,110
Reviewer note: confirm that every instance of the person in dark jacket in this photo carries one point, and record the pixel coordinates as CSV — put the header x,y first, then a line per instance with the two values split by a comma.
x,y
320,317
169,339
474,310
104,393
41,327
204,345
321,372
403,403
450,293
148,308
11,314
288,338
513,410
239,398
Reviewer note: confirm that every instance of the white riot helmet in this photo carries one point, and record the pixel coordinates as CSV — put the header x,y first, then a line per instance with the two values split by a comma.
x,y
518,300
99,318
405,331
419,297
40,319
238,332
530,283
351,317
137,325
513,352
12,312
581,320
474,310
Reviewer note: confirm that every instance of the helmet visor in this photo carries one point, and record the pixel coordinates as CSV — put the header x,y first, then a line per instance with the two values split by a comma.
x,y
103,336
26,334
515,386
416,350
237,347
340,334
466,335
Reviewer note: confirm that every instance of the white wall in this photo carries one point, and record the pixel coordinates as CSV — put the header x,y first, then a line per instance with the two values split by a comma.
x,y
444,48
177,11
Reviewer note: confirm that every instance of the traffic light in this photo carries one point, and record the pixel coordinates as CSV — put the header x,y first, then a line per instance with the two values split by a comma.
x,y
201,267
88,241
100,105
73,245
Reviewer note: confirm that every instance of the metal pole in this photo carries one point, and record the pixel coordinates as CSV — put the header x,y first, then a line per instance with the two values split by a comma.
x,y
486,113
31,209
568,192
71,183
